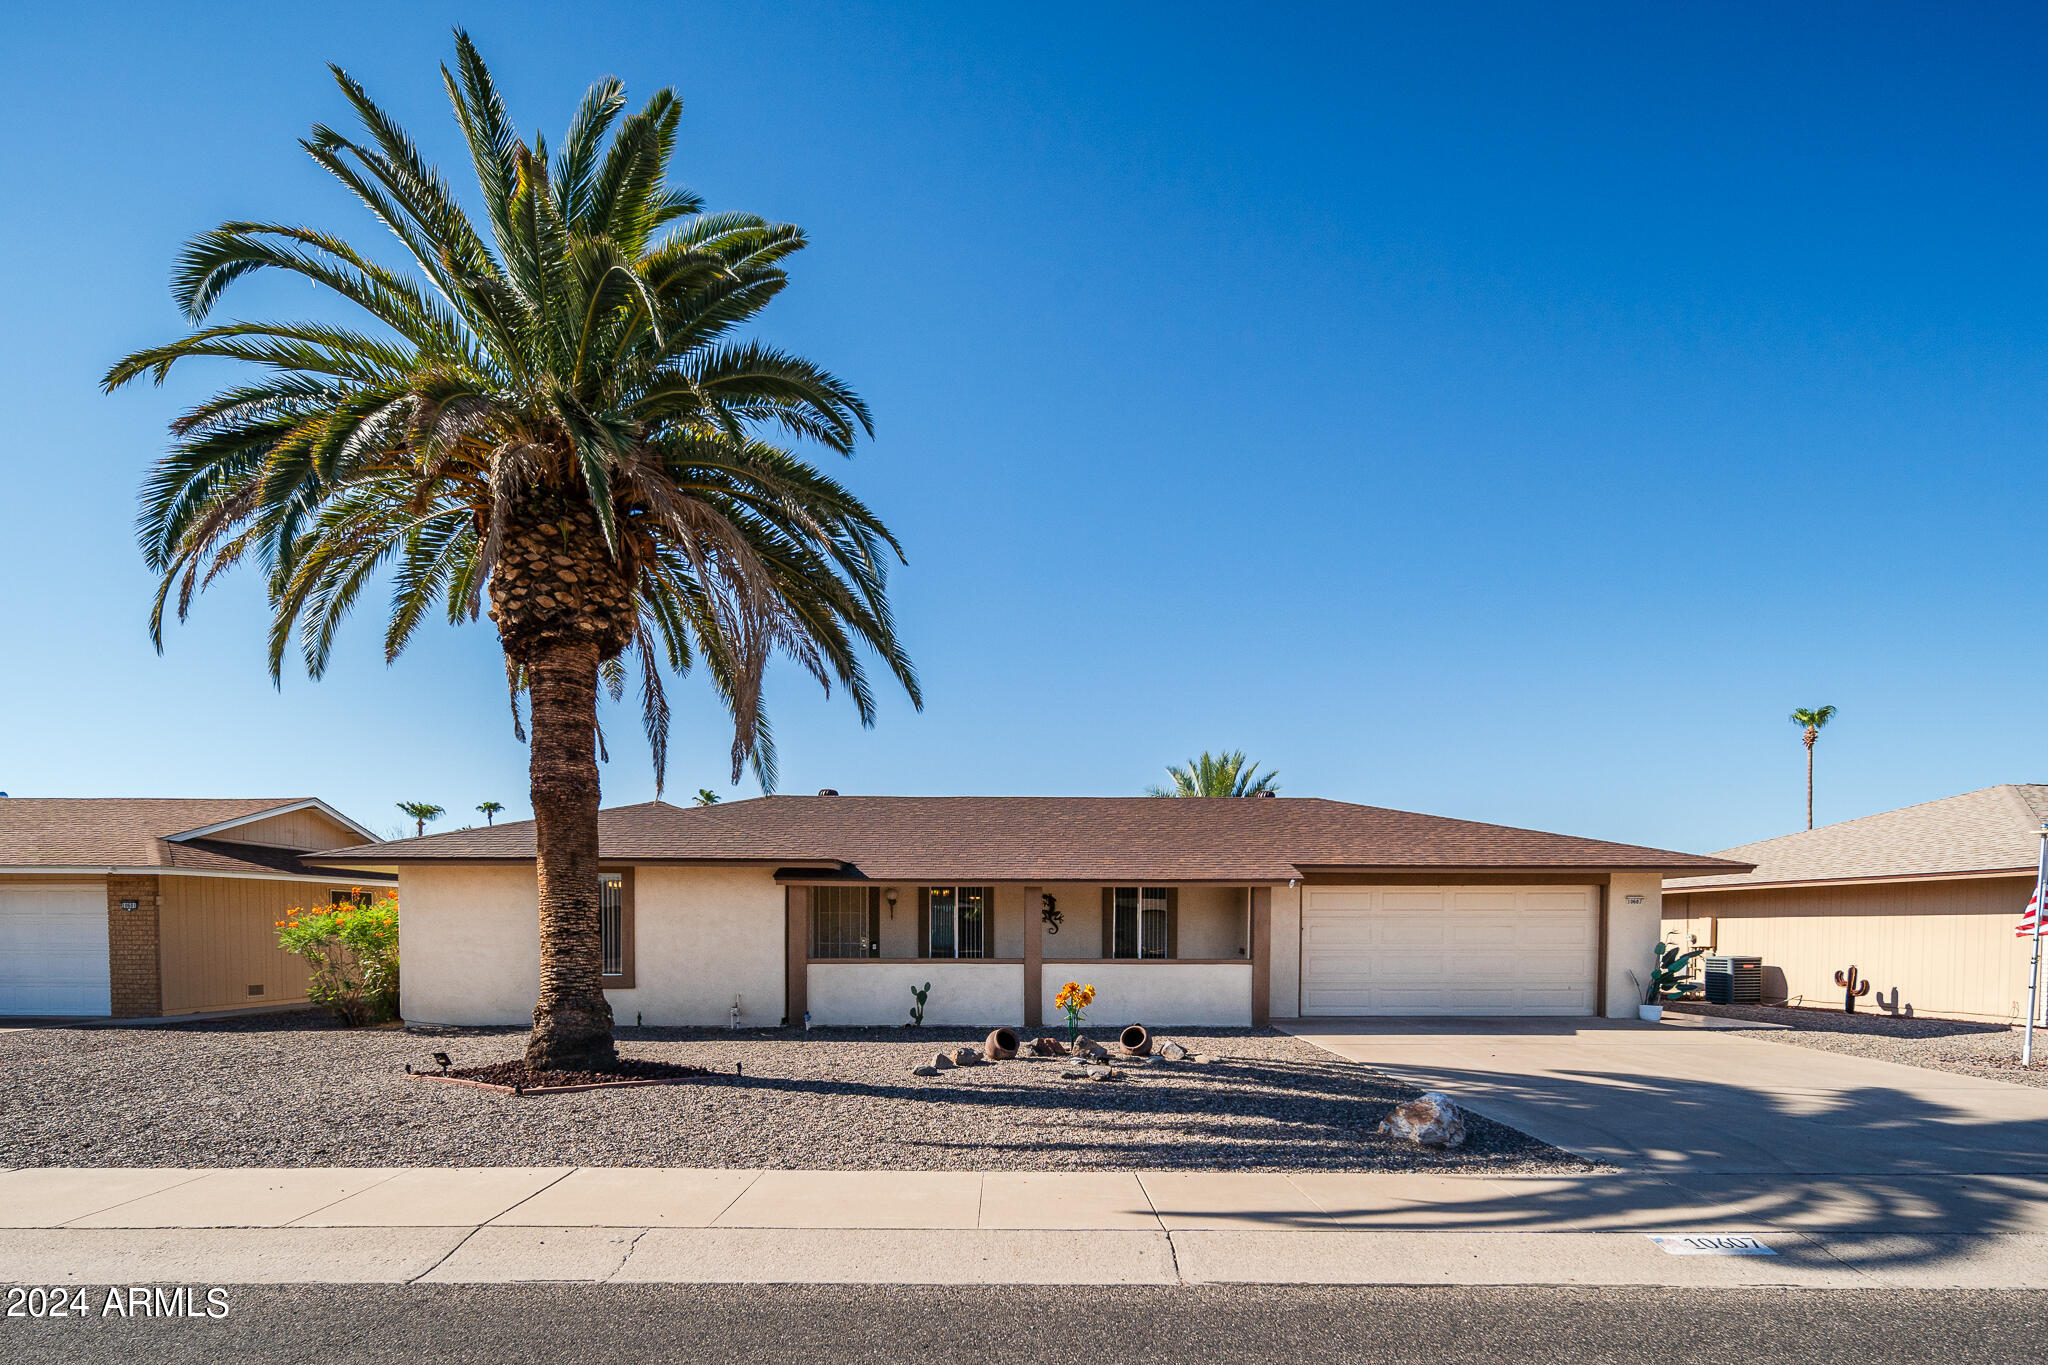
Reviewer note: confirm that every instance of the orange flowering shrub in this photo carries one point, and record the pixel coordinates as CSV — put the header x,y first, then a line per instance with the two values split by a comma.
x,y
353,951
1073,998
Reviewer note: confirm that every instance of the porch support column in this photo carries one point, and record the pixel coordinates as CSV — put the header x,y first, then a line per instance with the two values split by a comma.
x,y
796,954
1034,959
1261,948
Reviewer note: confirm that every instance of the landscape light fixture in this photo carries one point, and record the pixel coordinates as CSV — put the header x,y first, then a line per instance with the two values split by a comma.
x,y
441,1059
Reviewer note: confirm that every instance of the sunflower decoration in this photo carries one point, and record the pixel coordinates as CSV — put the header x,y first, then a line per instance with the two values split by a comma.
x,y
1074,997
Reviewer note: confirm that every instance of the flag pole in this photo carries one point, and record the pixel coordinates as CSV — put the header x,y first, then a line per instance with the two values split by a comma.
x,y
2034,962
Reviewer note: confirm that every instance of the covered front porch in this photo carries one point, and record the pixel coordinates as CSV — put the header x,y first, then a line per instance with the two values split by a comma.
x,y
1171,954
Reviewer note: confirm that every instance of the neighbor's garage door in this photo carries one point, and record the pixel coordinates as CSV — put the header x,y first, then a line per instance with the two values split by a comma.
x,y
53,949
1448,949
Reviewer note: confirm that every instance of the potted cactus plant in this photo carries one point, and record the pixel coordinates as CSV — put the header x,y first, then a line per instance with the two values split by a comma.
x,y
1666,980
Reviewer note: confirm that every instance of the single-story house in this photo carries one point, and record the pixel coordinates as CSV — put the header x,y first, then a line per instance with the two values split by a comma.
x,y
1922,901
1180,912
133,908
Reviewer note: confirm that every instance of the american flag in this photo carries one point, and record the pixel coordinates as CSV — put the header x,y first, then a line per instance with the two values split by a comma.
x,y
2026,929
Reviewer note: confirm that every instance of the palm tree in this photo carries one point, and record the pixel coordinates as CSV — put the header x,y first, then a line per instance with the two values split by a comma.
x,y
706,797
557,415
1217,775
489,810
421,812
1811,719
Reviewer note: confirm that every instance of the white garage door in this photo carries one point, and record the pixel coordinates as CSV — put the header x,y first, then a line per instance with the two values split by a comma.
x,y
53,949
1448,949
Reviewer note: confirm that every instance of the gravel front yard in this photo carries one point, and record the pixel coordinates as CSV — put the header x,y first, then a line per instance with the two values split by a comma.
x,y
1970,1049
281,1090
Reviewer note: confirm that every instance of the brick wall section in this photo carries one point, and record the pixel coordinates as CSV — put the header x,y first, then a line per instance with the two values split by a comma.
x,y
132,947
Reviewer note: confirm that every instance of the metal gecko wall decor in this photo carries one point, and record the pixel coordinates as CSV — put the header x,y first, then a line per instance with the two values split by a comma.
x,y
1050,913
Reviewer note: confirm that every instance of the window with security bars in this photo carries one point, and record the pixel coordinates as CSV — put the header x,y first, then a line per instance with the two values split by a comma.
x,y
1140,921
842,922
611,923
957,921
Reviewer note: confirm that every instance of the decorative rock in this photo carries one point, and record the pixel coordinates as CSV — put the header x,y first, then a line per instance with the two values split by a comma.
x,y
924,1071
1099,1073
1139,1061
1201,1057
941,1062
1049,1047
1002,1045
1074,1073
1172,1051
966,1056
1088,1047
1433,1120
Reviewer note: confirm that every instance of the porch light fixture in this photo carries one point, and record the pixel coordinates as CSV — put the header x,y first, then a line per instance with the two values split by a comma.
x,y
890,896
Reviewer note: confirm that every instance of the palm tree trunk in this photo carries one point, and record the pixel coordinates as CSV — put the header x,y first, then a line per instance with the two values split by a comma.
x,y
572,1022
1809,783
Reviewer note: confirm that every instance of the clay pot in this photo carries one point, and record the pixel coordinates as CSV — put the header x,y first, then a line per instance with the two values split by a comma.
x,y
1136,1041
1001,1045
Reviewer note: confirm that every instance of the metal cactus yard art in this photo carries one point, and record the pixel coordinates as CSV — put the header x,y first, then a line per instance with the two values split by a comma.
x,y
1852,986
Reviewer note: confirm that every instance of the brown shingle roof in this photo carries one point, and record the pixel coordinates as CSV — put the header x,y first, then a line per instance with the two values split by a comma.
x,y
135,832
1048,838
1995,829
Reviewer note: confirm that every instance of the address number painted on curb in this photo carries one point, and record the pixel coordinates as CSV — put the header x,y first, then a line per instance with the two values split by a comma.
x,y
1724,1244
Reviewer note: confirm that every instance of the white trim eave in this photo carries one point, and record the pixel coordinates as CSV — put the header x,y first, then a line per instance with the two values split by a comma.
x,y
31,872
310,803
1725,888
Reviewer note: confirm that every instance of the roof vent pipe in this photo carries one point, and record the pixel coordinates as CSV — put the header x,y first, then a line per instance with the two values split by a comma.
x,y
828,791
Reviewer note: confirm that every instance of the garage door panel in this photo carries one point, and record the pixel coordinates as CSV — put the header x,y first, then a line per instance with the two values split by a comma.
x,y
53,949
1449,950
1542,931
1487,931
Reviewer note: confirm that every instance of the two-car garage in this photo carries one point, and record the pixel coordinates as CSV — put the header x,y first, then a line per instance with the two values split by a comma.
x,y
1471,950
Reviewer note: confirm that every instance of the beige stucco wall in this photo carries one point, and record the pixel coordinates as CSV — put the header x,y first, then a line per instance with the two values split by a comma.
x,y
1284,983
1634,936
1932,948
703,936
851,993
1155,994
468,944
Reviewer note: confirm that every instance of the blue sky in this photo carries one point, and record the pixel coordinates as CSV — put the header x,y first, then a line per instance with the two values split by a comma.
x,y
1510,415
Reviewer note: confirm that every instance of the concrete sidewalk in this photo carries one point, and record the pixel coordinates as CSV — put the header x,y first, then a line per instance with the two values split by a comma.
x,y
358,1225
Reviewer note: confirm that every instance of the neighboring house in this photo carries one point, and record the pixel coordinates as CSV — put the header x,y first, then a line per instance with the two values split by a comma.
x,y
137,907
1179,912
1921,901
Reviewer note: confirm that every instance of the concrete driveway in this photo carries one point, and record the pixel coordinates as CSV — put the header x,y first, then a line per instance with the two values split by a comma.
x,y
1680,1098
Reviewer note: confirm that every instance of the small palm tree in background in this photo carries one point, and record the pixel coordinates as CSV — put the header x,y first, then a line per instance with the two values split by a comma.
x,y
489,810
706,797
421,812
548,420
1217,775
1811,719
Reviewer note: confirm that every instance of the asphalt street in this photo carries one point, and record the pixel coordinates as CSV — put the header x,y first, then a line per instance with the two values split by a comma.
x,y
771,1323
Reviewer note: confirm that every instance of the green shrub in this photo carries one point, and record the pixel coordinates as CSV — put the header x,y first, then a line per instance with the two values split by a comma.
x,y
353,951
